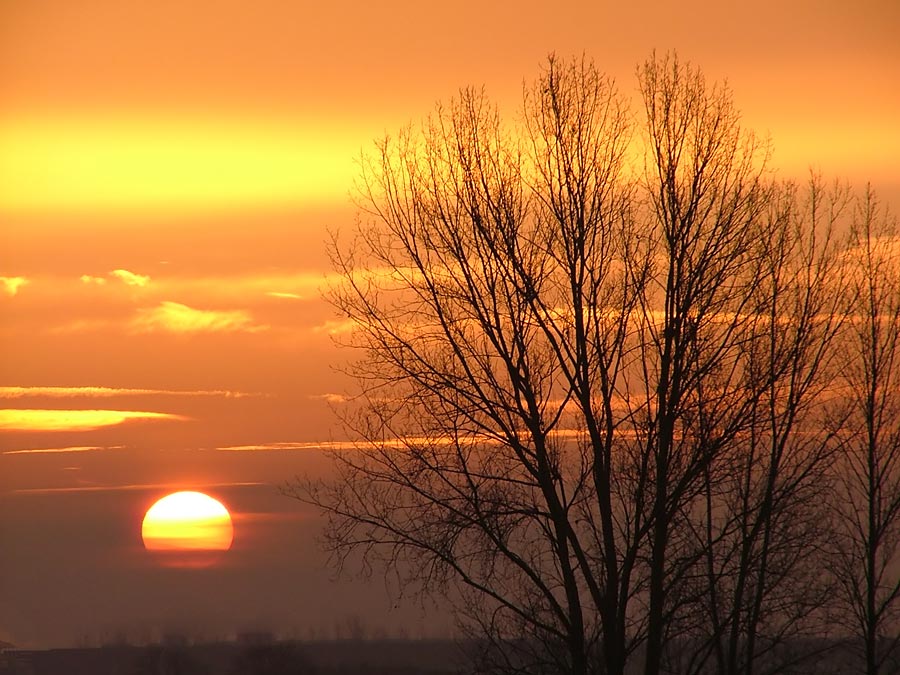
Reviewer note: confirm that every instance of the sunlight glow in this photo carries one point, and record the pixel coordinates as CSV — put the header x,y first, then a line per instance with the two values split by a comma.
x,y
167,165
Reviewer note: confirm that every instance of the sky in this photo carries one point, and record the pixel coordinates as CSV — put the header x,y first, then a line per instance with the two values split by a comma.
x,y
169,173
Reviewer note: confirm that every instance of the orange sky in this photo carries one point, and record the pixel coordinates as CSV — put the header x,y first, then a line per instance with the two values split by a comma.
x,y
168,172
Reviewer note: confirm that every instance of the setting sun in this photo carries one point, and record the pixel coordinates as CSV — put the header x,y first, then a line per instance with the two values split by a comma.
x,y
187,521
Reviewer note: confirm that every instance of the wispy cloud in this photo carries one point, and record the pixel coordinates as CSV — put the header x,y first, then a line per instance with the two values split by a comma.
x,y
73,420
330,398
11,285
323,445
109,392
174,487
399,443
387,444
263,447
245,288
287,296
336,327
61,451
173,317
130,278
81,326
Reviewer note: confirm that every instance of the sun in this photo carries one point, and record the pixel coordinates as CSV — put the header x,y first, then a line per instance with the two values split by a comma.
x,y
187,522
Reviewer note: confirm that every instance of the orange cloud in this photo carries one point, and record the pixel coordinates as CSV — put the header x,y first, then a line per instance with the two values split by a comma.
x,y
11,285
173,317
130,278
88,279
73,420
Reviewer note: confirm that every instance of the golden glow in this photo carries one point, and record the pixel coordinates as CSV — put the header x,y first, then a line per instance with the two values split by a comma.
x,y
870,153
187,521
167,165
72,420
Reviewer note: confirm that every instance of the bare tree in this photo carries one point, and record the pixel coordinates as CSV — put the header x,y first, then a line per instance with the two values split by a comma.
x,y
707,195
764,524
868,424
560,368
490,260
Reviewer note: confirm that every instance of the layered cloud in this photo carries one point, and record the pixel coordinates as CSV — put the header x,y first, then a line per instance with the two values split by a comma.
x,y
73,420
124,300
173,317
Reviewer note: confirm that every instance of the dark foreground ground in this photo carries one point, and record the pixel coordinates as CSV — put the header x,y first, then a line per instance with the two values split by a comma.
x,y
349,657
345,657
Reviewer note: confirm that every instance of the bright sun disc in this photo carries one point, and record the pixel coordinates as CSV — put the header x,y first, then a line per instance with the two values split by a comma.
x,y
187,521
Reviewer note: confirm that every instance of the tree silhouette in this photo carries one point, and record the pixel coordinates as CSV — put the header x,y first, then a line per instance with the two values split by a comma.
x,y
586,389
761,533
868,424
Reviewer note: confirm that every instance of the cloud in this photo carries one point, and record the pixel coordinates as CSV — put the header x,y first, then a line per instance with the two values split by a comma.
x,y
288,285
130,278
257,447
336,326
288,296
11,285
73,420
173,487
398,444
81,326
327,397
55,451
88,279
108,392
173,317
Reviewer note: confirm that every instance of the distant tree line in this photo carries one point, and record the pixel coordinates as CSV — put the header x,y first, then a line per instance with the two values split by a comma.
x,y
627,399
